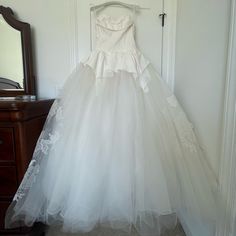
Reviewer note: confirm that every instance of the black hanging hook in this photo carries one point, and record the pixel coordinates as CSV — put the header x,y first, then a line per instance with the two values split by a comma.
x,y
162,15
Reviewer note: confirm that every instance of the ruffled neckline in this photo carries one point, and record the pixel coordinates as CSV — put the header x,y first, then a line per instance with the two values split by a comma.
x,y
114,23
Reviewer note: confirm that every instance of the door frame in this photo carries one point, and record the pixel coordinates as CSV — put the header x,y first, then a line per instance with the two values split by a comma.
x,y
227,175
169,42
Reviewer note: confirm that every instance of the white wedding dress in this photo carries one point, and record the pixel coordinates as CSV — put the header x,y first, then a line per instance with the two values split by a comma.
x,y
117,150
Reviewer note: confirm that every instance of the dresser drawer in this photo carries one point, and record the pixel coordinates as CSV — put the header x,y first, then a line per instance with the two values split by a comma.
x,y
8,180
7,144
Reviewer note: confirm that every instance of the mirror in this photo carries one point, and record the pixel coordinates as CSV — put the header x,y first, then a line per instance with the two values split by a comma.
x,y
16,66
11,63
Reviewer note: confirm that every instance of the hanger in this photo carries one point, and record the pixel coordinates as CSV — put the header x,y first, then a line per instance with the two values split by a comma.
x,y
116,3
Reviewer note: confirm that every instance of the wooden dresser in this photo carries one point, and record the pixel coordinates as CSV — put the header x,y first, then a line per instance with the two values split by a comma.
x,y
20,125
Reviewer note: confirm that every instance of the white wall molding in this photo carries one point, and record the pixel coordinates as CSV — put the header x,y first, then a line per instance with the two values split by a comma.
x,y
73,37
169,42
228,156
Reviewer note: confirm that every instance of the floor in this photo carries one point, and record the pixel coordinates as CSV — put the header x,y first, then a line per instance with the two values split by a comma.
x,y
178,231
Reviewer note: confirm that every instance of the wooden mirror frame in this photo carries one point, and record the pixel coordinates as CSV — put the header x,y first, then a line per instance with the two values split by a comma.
x,y
29,78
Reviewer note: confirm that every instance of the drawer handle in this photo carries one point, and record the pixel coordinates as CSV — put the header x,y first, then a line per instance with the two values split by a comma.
x,y
1,141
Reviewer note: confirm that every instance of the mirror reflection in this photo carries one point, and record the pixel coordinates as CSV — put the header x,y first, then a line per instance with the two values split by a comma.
x,y
11,58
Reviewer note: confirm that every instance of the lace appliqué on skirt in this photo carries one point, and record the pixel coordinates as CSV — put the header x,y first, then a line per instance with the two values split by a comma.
x,y
186,134
47,139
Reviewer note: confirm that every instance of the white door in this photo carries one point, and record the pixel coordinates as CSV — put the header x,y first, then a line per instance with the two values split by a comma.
x,y
148,28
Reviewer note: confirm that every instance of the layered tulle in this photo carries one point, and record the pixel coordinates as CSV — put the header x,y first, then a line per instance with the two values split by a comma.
x,y
113,156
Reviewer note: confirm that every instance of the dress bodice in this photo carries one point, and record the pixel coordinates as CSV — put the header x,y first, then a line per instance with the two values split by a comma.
x,y
115,35
115,49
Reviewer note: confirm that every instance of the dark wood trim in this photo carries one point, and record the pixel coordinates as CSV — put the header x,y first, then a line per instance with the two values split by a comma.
x,y
24,28
16,110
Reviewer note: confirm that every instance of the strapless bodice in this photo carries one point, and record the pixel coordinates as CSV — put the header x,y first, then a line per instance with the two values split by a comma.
x,y
115,49
115,35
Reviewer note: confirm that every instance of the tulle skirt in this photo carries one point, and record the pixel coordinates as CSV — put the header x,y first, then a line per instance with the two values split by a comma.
x,y
113,156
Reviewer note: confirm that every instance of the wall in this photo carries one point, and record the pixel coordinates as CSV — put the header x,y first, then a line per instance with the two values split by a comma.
x,y
201,55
